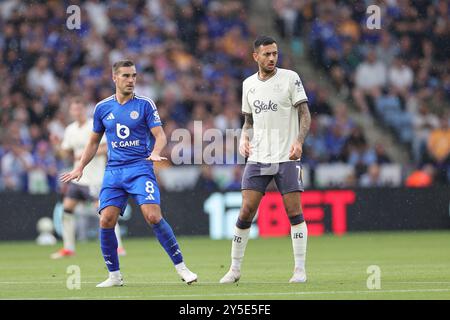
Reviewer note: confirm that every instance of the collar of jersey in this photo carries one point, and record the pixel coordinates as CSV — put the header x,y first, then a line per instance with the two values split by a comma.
x,y
276,71
115,99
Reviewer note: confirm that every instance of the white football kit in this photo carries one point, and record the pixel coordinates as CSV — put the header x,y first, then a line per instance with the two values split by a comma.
x,y
76,138
275,120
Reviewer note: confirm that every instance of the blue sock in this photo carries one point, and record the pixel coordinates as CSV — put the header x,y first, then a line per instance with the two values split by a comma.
x,y
167,239
108,244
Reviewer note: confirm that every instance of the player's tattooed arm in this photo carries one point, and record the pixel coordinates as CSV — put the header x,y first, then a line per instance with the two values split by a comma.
x,y
248,123
304,117
244,144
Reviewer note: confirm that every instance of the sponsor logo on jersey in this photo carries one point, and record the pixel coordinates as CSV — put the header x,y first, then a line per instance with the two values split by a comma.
x,y
125,144
263,106
156,116
110,117
122,131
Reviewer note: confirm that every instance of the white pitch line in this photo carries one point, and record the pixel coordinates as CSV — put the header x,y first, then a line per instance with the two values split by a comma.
x,y
150,283
30,282
298,293
242,294
419,282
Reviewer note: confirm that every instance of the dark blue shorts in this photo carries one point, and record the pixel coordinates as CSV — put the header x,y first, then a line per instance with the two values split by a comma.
x,y
287,175
138,181
81,193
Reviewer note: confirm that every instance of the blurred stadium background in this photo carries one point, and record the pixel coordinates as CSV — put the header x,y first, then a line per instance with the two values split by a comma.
x,y
377,157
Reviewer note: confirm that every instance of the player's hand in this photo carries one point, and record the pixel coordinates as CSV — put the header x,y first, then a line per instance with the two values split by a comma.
x,y
156,157
76,174
54,139
295,153
244,148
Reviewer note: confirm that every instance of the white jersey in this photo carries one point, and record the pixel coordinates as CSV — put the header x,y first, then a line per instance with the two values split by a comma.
x,y
76,138
275,120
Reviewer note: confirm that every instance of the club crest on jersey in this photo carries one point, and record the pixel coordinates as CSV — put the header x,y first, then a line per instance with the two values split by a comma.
x,y
277,88
134,115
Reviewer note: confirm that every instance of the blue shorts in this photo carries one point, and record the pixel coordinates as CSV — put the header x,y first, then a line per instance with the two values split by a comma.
x,y
138,181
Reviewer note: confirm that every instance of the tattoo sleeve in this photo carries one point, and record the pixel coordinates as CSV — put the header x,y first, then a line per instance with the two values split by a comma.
x,y
248,123
247,128
304,118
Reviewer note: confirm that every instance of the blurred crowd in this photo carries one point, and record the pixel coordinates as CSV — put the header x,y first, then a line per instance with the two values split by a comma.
x,y
397,74
192,56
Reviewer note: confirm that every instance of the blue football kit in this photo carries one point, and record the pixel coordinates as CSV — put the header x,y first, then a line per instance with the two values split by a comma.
x,y
130,142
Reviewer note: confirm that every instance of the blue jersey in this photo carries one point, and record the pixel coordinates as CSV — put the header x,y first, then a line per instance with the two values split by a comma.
x,y
127,128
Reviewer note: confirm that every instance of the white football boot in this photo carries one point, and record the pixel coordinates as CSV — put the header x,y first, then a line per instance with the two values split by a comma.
x,y
299,276
232,276
187,275
112,281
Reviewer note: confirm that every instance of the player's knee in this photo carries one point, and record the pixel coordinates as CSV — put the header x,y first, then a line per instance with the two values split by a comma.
x,y
152,218
107,221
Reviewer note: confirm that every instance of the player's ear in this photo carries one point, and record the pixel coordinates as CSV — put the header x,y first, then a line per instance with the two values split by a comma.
x,y
255,56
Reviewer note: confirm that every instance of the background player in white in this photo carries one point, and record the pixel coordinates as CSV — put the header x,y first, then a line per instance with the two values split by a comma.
x,y
76,136
277,120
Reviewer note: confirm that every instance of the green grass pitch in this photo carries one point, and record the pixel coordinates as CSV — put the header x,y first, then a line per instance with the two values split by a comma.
x,y
413,265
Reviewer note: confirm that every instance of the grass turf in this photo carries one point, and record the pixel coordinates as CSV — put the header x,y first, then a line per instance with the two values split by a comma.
x,y
414,265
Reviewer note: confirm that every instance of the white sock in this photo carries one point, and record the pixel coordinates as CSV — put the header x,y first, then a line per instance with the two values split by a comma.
x,y
238,246
68,232
115,274
118,235
299,236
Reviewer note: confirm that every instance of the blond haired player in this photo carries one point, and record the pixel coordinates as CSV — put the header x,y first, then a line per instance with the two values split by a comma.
x,y
277,120
76,136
